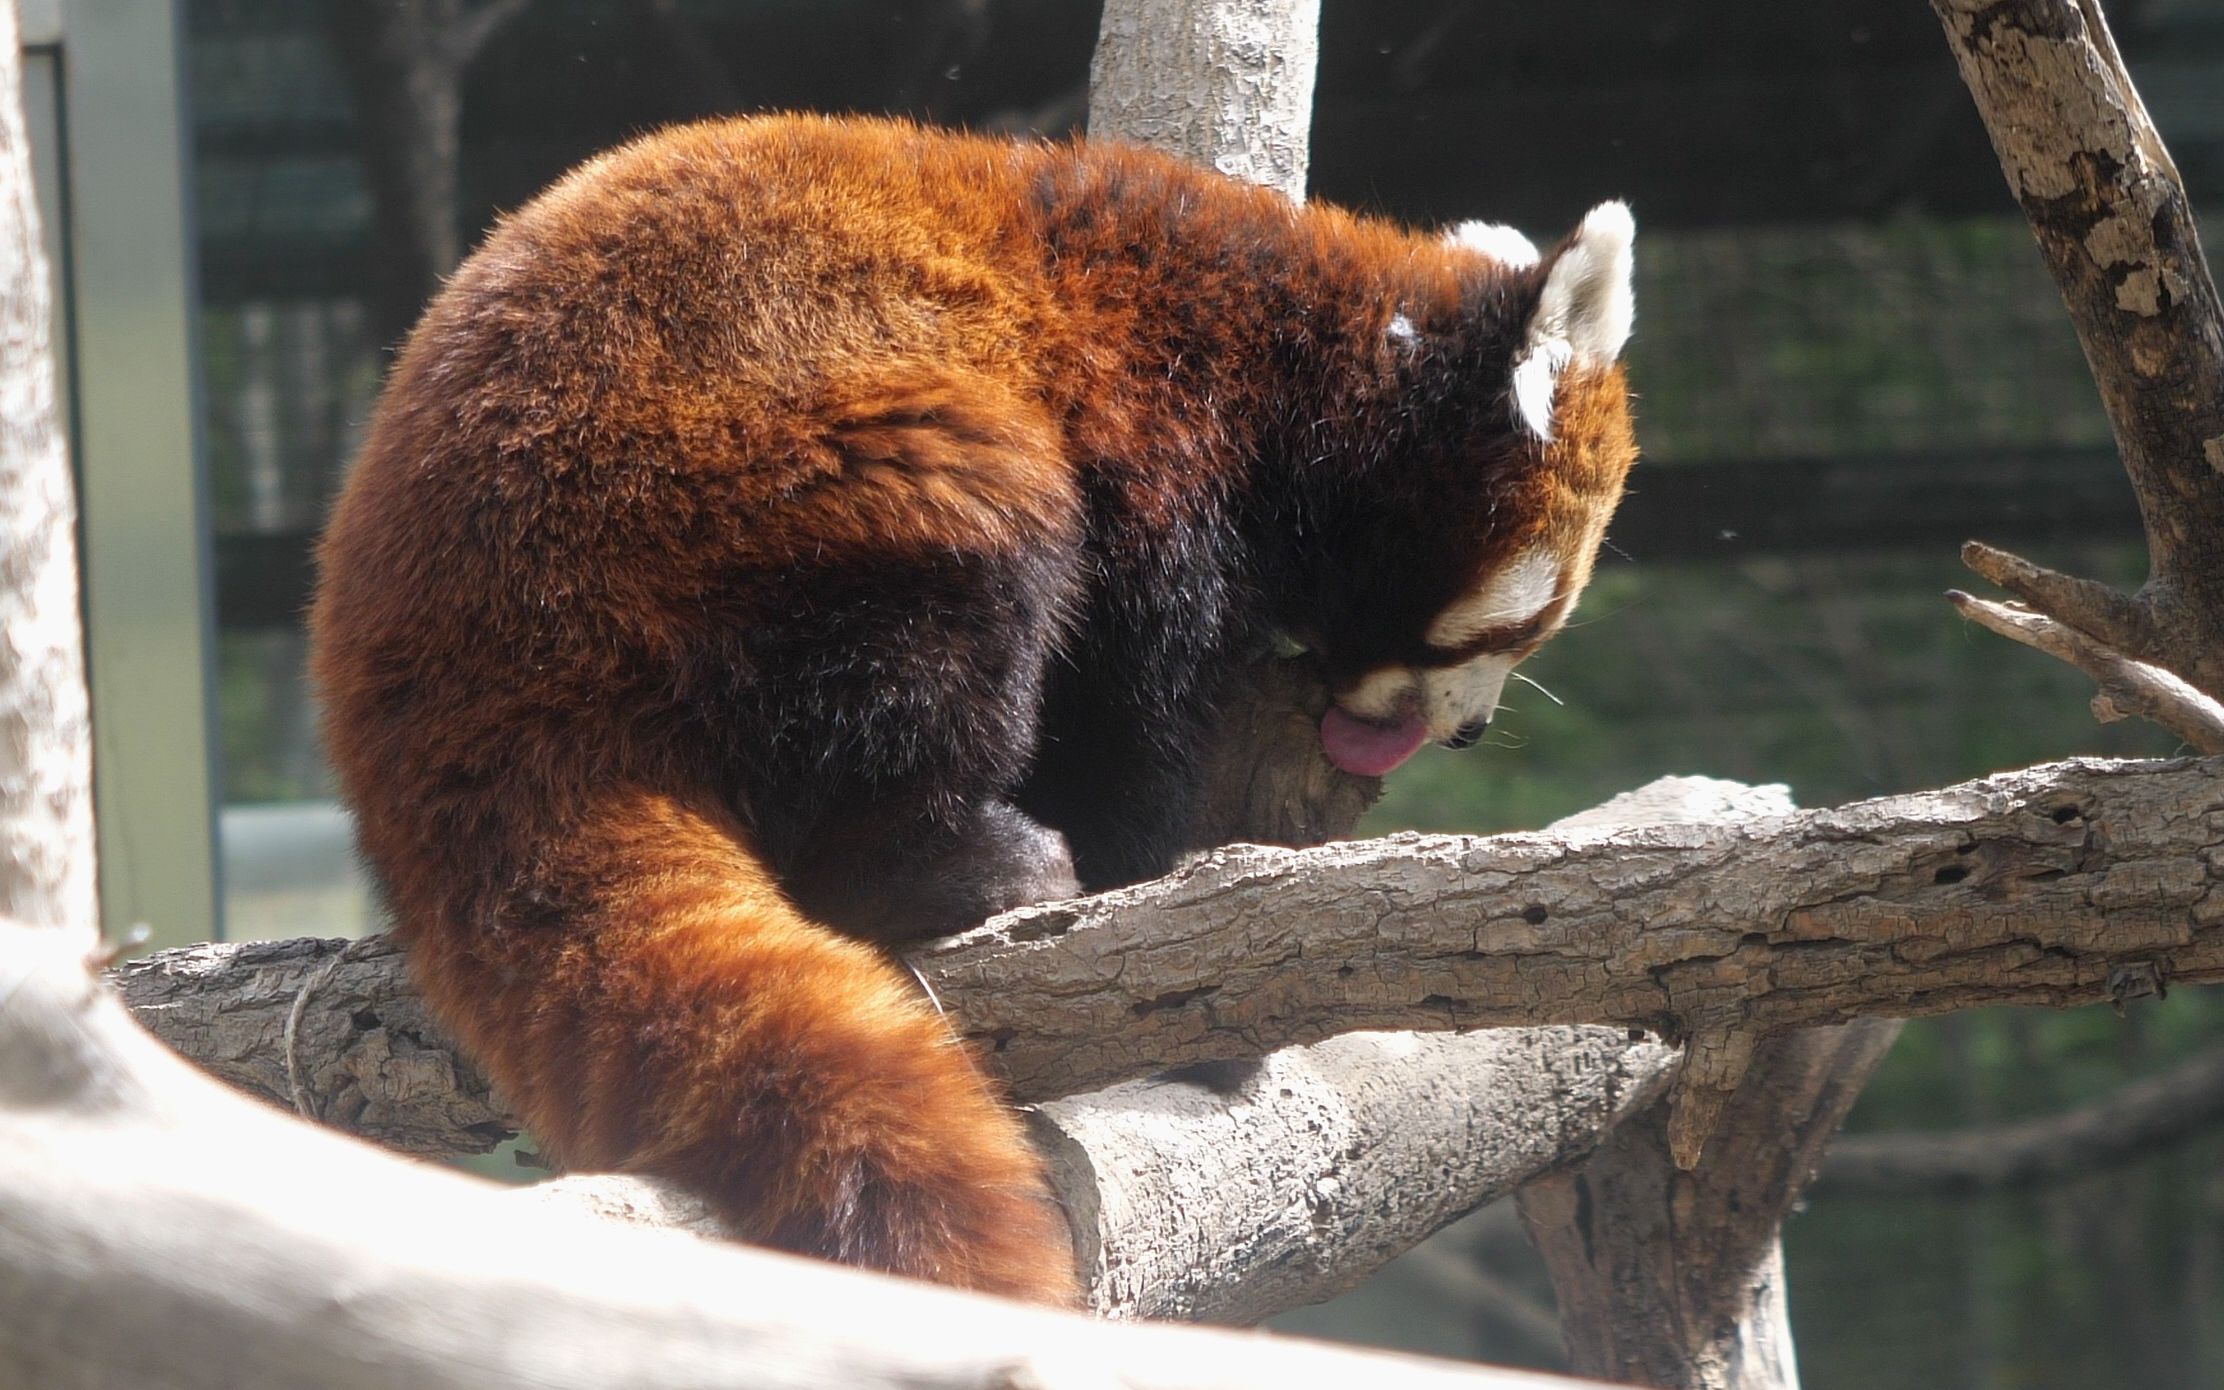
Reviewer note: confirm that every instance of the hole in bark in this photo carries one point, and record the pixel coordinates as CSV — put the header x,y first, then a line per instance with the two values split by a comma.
x,y
1534,914
1952,873
1041,924
1002,1038
364,1020
2063,815
1172,999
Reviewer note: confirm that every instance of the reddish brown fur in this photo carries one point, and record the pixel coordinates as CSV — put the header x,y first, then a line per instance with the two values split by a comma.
x,y
616,624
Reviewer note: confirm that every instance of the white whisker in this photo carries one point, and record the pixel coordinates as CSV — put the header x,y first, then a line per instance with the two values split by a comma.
x,y
1531,682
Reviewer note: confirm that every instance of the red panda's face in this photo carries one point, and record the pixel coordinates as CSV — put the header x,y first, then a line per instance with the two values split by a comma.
x,y
1552,488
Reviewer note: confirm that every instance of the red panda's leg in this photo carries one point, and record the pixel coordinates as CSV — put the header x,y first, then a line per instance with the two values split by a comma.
x,y
688,1022
1118,774
906,882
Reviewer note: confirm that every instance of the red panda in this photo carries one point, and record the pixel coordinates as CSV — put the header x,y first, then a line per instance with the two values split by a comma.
x,y
786,538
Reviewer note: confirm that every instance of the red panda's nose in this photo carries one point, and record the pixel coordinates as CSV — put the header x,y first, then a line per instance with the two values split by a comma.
x,y
1469,734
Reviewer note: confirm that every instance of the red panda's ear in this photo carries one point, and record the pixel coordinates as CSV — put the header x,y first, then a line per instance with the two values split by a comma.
x,y
1583,314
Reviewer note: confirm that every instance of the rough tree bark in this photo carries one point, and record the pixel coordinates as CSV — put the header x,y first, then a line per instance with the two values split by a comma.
x,y
46,796
2079,882
2116,229
258,1253
1671,1276
1227,83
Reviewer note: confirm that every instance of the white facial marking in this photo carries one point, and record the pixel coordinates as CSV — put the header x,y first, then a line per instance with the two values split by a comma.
x,y
1513,594
1496,240
1452,697
1460,695
1382,695
1583,314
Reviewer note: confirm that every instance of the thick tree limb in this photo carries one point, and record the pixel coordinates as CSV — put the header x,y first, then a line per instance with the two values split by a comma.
x,y
2116,228
1675,1278
2077,882
2072,883
261,1253
1326,1163
2124,1126
1329,1162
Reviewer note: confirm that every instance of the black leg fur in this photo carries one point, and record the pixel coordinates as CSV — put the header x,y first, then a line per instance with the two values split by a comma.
x,y
908,883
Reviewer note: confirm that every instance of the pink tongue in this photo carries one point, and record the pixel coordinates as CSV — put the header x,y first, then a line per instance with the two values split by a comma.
x,y
1370,750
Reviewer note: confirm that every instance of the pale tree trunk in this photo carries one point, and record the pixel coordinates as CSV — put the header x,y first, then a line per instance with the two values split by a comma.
x,y
1225,83
1242,105
46,798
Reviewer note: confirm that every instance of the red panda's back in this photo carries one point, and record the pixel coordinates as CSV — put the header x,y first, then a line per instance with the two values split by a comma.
x,y
696,365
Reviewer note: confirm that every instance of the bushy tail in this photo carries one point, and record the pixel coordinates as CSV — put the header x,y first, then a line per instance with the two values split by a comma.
x,y
678,1017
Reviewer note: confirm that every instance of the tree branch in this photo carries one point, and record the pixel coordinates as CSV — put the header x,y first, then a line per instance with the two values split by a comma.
x,y
2126,1125
1327,1163
1675,1278
2073,883
2127,687
2116,229
261,1253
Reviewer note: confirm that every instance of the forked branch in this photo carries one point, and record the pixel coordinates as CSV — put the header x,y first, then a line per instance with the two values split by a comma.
x,y
2116,228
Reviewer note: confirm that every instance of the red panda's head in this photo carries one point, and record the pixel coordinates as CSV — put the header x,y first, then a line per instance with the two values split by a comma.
x,y
1509,510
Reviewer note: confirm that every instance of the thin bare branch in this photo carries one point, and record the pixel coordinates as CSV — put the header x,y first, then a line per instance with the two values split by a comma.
x,y
2116,228
2097,609
2127,687
2126,1125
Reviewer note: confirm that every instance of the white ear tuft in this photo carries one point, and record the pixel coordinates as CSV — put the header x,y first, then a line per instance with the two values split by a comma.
x,y
1496,240
1583,314
1591,283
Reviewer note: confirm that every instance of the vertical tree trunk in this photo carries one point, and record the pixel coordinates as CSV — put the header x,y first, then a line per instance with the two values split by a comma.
x,y
1676,1279
1225,83
404,63
1229,84
46,799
